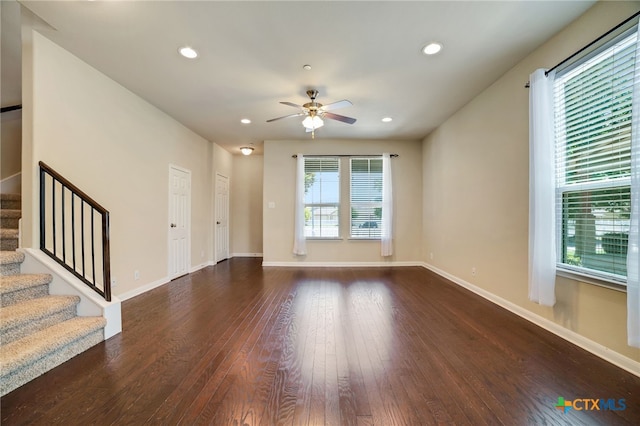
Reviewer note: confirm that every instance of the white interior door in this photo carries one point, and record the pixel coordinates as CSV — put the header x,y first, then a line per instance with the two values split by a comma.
x,y
222,217
179,221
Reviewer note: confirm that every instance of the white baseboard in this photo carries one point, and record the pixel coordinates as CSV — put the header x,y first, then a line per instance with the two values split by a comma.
x,y
143,289
589,345
343,264
198,267
246,255
162,281
11,184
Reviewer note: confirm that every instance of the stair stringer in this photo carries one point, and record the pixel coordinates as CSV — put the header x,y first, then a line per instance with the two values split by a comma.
x,y
64,283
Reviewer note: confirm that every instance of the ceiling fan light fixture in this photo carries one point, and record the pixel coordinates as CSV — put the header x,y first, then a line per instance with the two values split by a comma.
x,y
432,48
246,150
312,122
188,52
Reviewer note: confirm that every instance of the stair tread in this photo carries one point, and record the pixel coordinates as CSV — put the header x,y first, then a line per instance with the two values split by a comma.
x,y
8,233
10,257
30,348
11,213
10,197
11,283
34,309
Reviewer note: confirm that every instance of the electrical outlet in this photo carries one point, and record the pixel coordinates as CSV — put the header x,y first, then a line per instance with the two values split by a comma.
x,y
136,275
114,282
431,256
473,271
202,254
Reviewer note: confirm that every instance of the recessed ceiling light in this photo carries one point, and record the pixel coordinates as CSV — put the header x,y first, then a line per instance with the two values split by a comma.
x,y
387,119
245,121
188,52
306,67
432,48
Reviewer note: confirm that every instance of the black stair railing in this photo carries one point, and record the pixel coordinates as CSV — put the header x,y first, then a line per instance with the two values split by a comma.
x,y
74,231
10,108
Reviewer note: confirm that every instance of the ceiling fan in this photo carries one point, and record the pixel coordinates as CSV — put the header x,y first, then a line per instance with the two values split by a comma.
x,y
315,112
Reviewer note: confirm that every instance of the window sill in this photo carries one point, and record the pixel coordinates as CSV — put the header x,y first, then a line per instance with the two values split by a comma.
x,y
363,239
590,279
324,238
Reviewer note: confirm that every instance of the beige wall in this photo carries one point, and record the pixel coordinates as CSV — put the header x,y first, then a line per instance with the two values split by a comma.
x,y
476,194
246,205
10,149
279,188
222,161
10,41
11,93
117,148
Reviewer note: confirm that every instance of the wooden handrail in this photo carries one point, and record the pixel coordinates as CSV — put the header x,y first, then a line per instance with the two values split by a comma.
x,y
59,216
72,187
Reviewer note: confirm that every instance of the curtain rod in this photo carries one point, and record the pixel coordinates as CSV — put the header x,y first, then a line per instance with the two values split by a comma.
x,y
345,155
573,55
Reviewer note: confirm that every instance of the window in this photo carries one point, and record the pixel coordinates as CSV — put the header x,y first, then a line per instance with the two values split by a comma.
x,y
366,197
593,102
322,197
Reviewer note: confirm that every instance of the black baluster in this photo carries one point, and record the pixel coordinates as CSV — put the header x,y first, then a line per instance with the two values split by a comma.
x,y
64,242
82,234
106,257
42,209
53,212
73,230
93,248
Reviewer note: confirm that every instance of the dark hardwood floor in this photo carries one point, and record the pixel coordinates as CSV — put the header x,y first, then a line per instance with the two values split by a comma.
x,y
236,344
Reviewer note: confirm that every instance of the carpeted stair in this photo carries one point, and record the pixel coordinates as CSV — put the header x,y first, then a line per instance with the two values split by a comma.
x,y
10,205
38,331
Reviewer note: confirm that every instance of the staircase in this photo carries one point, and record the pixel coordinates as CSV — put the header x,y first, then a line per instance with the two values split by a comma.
x,y
38,331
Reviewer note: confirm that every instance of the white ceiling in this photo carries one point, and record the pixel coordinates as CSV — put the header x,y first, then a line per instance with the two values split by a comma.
x,y
252,53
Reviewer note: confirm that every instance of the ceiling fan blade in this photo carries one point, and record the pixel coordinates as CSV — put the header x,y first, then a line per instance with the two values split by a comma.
x,y
335,105
338,117
291,104
286,116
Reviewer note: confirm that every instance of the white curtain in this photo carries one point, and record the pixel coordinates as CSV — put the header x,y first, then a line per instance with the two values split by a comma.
x,y
299,241
542,248
633,252
387,207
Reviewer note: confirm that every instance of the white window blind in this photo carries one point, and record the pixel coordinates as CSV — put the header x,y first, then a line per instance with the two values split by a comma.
x,y
322,197
593,150
366,197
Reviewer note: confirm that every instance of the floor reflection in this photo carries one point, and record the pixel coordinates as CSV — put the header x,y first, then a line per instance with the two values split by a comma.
x,y
349,325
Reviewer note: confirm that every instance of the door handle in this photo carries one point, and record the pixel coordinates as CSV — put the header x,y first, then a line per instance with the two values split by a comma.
x,y
217,222
173,225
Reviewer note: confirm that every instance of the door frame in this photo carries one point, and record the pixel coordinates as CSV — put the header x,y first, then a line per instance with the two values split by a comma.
x,y
169,251
215,218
